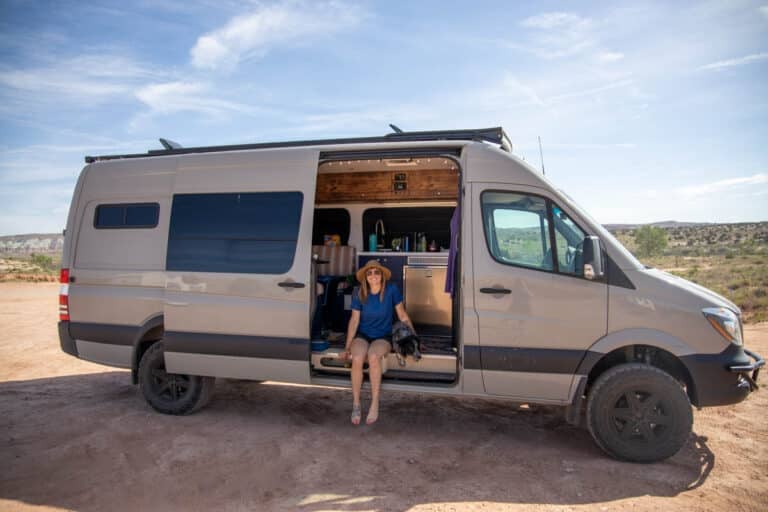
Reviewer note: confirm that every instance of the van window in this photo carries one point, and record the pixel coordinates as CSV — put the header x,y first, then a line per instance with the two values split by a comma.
x,y
569,240
121,216
517,229
252,233
433,221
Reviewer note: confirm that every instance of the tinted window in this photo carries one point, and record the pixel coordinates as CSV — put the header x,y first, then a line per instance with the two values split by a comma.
x,y
517,229
115,216
141,215
237,233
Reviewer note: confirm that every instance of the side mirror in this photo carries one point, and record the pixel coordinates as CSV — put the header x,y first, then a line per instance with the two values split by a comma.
x,y
594,269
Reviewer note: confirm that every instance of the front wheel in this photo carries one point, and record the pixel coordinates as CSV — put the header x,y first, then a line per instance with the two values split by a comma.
x,y
639,413
171,393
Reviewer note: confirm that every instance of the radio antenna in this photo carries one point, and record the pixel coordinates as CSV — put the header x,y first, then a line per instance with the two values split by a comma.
x,y
541,153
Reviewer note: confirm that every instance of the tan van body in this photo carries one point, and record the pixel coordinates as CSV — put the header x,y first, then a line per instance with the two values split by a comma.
x,y
533,319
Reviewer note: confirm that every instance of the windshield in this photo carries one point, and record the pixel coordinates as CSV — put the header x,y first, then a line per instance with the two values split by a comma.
x,y
604,233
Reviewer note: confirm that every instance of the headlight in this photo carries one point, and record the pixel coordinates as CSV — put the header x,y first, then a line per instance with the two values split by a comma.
x,y
725,322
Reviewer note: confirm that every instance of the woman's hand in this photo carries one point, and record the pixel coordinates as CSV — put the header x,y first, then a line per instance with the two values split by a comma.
x,y
346,354
403,317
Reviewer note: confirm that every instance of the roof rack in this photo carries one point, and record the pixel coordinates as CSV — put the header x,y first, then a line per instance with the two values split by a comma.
x,y
492,135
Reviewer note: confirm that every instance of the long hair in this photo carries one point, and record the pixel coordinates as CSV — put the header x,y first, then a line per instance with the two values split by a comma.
x,y
364,291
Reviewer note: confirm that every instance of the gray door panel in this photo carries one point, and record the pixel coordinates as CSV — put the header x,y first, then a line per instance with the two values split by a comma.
x,y
235,323
534,325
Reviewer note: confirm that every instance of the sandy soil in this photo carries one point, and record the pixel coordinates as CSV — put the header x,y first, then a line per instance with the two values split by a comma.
x,y
75,435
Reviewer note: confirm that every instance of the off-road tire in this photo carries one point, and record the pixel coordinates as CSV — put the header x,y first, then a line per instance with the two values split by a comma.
x,y
171,393
639,413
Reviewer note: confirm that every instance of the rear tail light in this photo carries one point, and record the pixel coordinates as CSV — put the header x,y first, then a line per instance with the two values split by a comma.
x,y
64,295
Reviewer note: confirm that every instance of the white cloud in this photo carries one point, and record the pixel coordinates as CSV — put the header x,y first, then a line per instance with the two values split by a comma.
x,y
593,91
610,56
173,97
516,87
558,34
763,10
550,20
89,79
721,186
747,59
254,34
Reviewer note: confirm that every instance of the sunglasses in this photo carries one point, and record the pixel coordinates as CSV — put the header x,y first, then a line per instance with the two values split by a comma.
x,y
373,272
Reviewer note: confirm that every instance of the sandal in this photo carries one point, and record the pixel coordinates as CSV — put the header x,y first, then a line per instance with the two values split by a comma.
x,y
355,416
371,418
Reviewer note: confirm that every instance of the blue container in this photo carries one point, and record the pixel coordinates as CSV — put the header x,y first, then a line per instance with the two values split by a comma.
x,y
320,346
372,243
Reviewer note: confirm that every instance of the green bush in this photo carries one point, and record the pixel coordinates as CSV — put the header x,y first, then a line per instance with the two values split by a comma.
x,y
42,261
650,240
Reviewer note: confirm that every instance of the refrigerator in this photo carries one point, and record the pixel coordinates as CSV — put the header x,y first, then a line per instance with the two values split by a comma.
x,y
425,299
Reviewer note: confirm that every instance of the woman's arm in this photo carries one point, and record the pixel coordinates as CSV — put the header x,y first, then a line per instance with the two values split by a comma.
x,y
354,322
403,317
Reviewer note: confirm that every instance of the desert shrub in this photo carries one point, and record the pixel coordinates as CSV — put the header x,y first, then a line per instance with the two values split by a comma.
x,y
650,240
42,261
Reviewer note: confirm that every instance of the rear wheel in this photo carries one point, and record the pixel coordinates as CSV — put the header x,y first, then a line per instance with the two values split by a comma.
x,y
171,393
639,413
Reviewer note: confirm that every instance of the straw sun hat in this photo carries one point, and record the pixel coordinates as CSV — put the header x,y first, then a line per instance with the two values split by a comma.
x,y
372,264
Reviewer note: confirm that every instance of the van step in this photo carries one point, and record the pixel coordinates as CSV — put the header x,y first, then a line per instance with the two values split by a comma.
x,y
329,360
397,375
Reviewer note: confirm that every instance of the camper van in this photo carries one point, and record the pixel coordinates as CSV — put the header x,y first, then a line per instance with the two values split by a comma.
x,y
189,264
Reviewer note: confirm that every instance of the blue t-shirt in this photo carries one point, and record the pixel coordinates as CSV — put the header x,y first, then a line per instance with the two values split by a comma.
x,y
375,313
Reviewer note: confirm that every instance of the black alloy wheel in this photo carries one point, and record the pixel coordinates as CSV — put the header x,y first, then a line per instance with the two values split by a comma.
x,y
171,393
169,386
639,413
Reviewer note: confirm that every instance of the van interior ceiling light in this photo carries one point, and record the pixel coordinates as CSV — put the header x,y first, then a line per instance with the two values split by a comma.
x,y
401,162
725,322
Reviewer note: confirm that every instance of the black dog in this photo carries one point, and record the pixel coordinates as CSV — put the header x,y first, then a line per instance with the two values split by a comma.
x,y
405,342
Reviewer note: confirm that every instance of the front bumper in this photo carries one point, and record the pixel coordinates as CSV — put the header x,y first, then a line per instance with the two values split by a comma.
x,y
744,370
725,378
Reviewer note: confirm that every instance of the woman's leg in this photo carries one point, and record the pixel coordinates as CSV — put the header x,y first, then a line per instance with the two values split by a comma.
x,y
379,350
359,350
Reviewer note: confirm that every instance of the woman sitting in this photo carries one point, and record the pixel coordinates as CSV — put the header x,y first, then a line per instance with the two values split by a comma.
x,y
369,334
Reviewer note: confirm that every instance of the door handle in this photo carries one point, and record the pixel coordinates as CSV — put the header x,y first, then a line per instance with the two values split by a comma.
x,y
287,284
180,304
503,291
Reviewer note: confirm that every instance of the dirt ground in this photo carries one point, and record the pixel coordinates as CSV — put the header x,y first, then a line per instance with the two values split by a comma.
x,y
75,435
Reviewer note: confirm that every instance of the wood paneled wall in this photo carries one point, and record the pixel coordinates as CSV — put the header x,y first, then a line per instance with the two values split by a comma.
x,y
380,186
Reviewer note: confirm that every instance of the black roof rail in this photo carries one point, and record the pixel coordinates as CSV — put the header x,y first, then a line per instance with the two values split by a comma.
x,y
493,135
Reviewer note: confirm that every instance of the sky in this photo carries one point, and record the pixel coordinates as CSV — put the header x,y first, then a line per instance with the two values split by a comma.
x,y
647,111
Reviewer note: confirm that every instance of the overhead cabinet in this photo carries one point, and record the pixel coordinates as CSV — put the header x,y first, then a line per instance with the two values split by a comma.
x,y
424,185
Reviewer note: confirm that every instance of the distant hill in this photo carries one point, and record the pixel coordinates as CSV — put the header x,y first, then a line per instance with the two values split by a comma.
x,y
662,224
725,237
20,245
